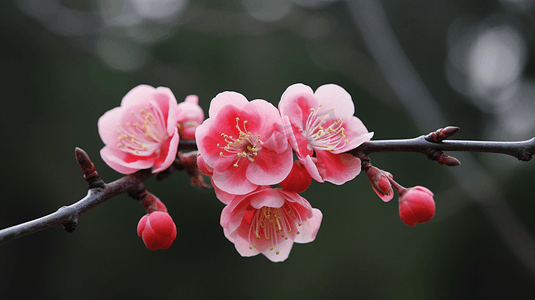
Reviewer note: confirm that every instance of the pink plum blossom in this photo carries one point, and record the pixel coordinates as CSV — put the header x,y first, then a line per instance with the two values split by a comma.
x,y
189,117
269,221
142,132
321,128
243,144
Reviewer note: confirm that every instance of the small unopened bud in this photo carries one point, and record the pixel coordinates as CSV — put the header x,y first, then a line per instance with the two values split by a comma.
x,y
189,116
442,134
298,180
416,205
380,183
157,230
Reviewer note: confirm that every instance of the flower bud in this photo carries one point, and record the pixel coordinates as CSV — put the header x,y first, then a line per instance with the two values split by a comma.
x,y
380,183
416,205
298,180
157,230
189,116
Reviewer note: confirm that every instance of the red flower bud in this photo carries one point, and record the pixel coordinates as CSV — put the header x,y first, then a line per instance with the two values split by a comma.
x,y
298,180
157,230
416,205
380,183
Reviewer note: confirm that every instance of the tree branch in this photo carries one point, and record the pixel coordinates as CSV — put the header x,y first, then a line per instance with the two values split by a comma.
x,y
434,143
99,192
431,145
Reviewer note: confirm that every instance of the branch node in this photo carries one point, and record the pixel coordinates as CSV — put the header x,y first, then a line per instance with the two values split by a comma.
x,y
441,134
70,226
71,221
88,169
138,195
188,163
365,163
526,157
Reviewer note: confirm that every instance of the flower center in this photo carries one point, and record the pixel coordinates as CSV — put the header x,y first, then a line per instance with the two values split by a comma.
x,y
273,225
143,133
246,145
323,133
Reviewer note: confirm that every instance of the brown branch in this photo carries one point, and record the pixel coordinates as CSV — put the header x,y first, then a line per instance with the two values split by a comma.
x,y
98,193
433,145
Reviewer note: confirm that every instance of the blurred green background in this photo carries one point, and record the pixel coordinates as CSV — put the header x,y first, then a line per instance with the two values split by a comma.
x,y
65,63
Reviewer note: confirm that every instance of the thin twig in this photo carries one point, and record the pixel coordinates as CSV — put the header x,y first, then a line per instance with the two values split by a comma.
x,y
68,215
98,193
522,150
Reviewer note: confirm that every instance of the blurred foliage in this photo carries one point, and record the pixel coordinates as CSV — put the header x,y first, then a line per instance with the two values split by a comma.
x,y
64,63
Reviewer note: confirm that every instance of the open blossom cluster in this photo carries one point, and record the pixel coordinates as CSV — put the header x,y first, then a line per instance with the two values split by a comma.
x,y
248,147
144,133
260,157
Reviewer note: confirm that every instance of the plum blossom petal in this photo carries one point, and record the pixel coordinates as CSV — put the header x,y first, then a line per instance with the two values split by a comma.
x,y
310,165
241,245
355,137
123,162
267,197
203,167
270,169
223,196
310,228
232,221
337,168
279,253
226,98
333,96
166,157
233,180
296,103
207,139
107,121
160,97
142,132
